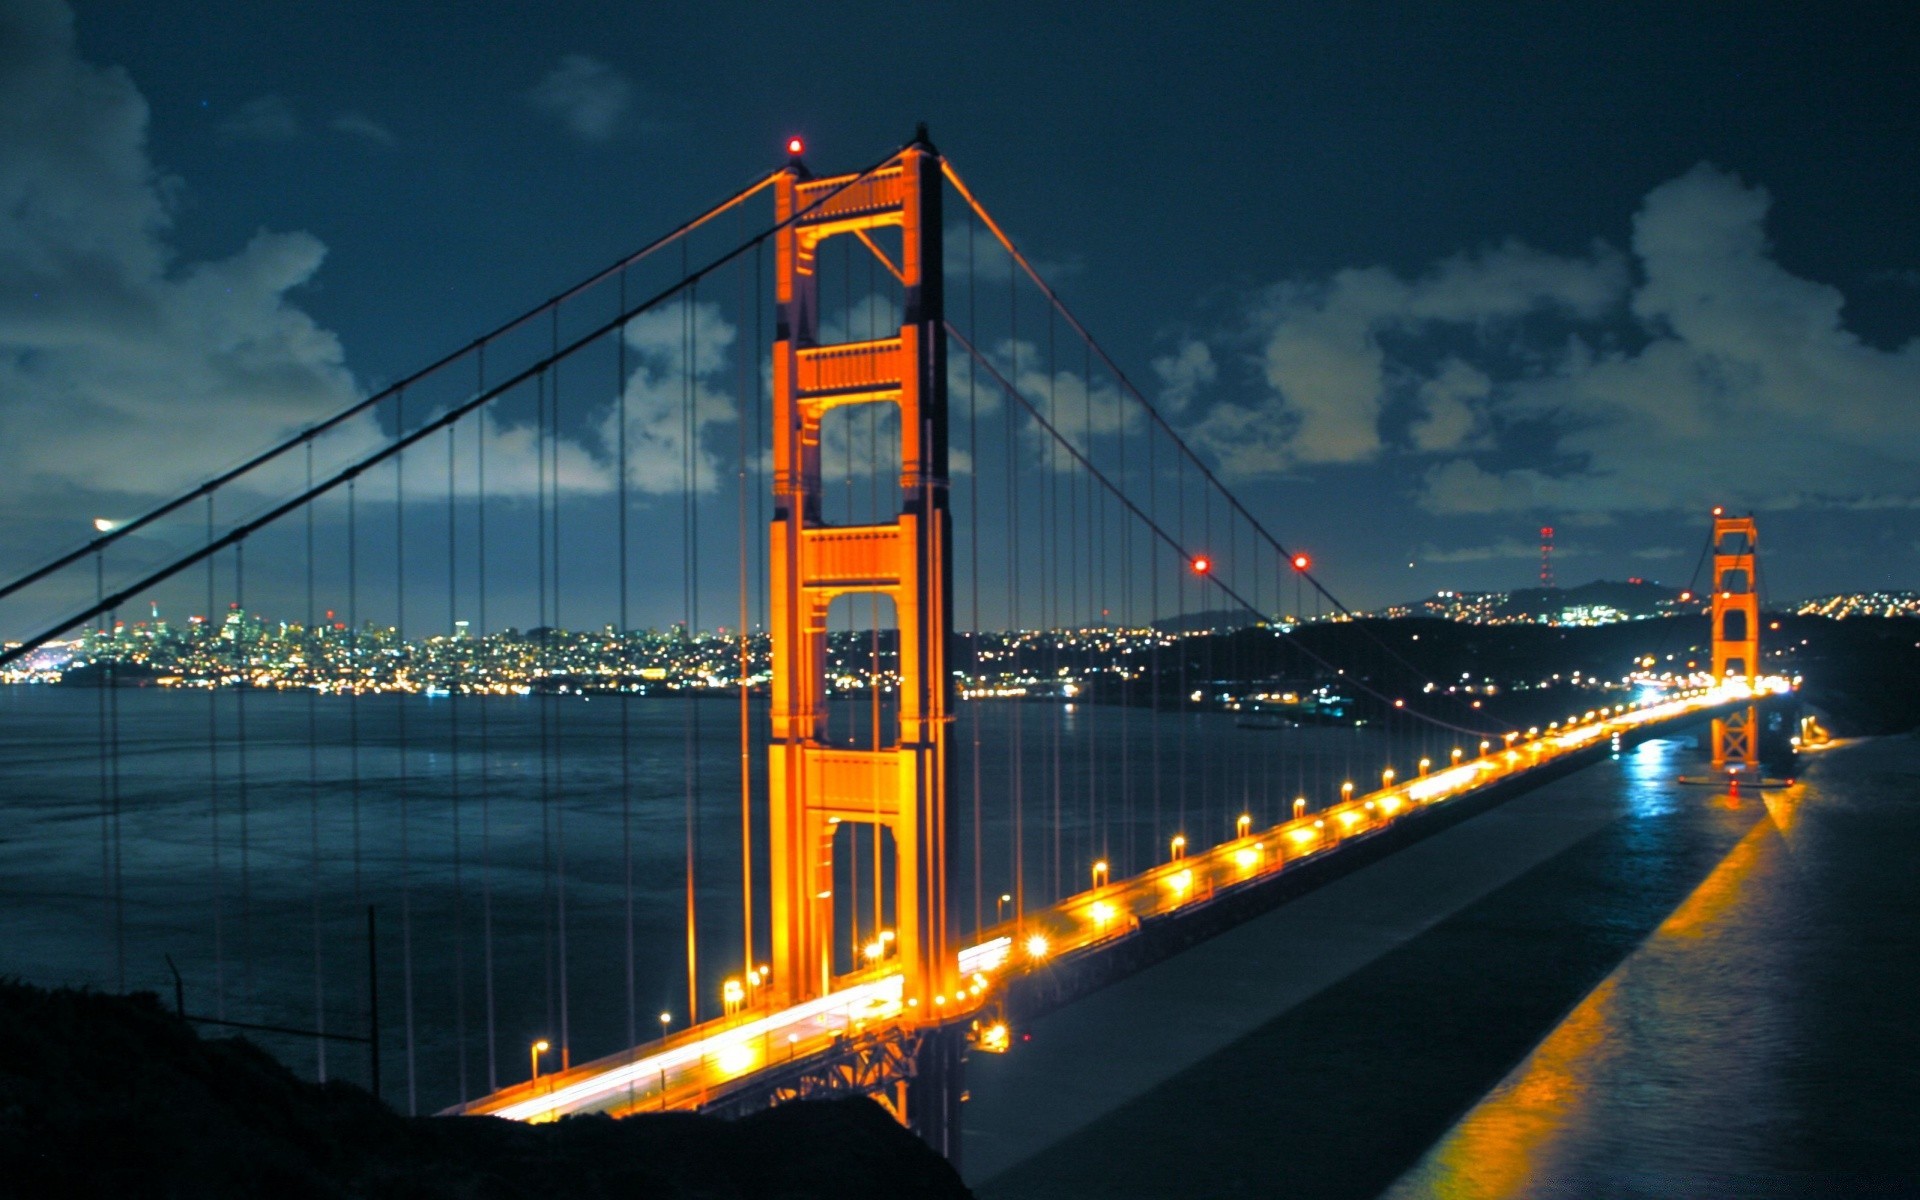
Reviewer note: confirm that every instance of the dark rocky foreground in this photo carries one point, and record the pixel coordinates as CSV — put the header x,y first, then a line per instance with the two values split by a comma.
x,y
115,1095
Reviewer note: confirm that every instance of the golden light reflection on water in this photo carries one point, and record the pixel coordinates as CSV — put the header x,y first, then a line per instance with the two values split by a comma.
x,y
1506,1146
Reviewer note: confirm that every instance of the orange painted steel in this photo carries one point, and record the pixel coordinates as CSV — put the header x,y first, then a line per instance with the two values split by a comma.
x,y
814,787
1736,636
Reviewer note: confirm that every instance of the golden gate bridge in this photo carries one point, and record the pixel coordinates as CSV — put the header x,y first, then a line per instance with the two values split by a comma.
x,y
943,503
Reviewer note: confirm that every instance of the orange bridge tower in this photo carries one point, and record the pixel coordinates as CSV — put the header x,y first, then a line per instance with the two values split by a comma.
x,y
1736,637
814,787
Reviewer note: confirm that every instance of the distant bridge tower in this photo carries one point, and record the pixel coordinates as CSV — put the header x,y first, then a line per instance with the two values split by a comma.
x,y
1736,636
813,787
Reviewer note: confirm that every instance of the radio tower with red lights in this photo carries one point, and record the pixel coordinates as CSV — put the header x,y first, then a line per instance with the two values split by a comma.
x,y
1546,556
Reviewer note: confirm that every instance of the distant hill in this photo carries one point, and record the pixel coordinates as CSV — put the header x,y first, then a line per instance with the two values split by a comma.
x,y
1641,599
1219,620
1631,598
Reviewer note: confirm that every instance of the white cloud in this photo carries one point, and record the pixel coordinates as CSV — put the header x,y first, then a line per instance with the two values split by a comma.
x,y
675,396
263,119
1327,366
126,372
122,367
360,125
1183,373
1694,370
587,95
1449,402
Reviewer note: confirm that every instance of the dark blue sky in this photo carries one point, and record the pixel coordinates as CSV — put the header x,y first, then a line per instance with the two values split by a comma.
x,y
1417,279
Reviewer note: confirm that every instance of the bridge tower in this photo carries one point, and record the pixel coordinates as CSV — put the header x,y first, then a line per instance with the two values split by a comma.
x,y
815,787
1736,637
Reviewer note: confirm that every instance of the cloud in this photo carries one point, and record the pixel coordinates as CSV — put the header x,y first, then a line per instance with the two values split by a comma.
x,y
674,398
1328,361
1692,369
990,262
266,118
357,124
587,95
1183,373
121,366
128,373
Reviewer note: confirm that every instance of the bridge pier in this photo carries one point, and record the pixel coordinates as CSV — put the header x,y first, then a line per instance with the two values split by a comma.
x,y
935,1090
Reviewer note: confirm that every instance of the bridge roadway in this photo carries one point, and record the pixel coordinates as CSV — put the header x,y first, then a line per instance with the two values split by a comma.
x,y
709,1063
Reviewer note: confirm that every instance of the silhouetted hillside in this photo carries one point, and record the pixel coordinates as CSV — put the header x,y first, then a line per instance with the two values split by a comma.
x,y
108,1095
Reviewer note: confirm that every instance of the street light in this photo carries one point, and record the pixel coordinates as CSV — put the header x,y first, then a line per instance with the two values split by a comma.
x,y
540,1047
1386,778
1456,755
1241,826
1346,791
1424,764
1100,873
1000,908
1178,847
666,1019
734,993
1299,807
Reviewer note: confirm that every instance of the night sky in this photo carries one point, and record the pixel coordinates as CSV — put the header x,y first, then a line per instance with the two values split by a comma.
x,y
1415,279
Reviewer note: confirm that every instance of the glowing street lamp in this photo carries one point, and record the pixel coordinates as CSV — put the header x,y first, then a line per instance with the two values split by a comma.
x,y
1000,908
1484,745
540,1047
1100,873
1386,778
1299,807
1457,752
1424,764
1241,826
666,1021
1346,791
734,993
1177,849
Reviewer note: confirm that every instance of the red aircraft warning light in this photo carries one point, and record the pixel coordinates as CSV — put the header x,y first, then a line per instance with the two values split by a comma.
x,y
1301,562
1202,565
795,146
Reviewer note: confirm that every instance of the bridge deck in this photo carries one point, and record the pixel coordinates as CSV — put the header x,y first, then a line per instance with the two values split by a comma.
x,y
702,1065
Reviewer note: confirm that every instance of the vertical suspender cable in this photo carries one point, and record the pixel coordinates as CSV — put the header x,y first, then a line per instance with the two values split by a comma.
x,y
106,666
244,681
486,731
625,686
690,701
400,735
210,631
455,683
559,713
1050,600
973,550
1013,609
544,686
746,732
312,652
353,670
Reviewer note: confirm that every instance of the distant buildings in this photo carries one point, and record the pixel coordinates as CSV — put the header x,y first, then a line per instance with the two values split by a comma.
x,y
1861,604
